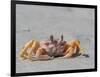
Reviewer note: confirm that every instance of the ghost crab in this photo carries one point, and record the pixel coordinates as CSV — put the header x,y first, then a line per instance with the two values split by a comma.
x,y
45,50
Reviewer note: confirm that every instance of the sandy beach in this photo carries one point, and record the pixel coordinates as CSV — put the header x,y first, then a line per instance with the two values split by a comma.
x,y
38,22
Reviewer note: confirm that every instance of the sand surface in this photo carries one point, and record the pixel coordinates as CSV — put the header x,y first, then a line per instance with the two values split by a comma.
x,y
38,22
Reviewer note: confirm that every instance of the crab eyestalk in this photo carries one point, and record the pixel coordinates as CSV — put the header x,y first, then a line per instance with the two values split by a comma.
x,y
62,37
51,38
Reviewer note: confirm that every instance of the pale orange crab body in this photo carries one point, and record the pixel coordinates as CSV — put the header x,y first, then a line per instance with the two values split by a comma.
x,y
47,49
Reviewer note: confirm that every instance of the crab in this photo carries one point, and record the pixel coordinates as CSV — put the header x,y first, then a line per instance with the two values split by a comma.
x,y
49,49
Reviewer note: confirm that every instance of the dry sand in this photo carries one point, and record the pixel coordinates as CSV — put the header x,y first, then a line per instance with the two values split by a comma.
x,y
38,22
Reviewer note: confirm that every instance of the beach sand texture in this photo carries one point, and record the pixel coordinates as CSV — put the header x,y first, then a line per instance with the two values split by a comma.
x,y
39,22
